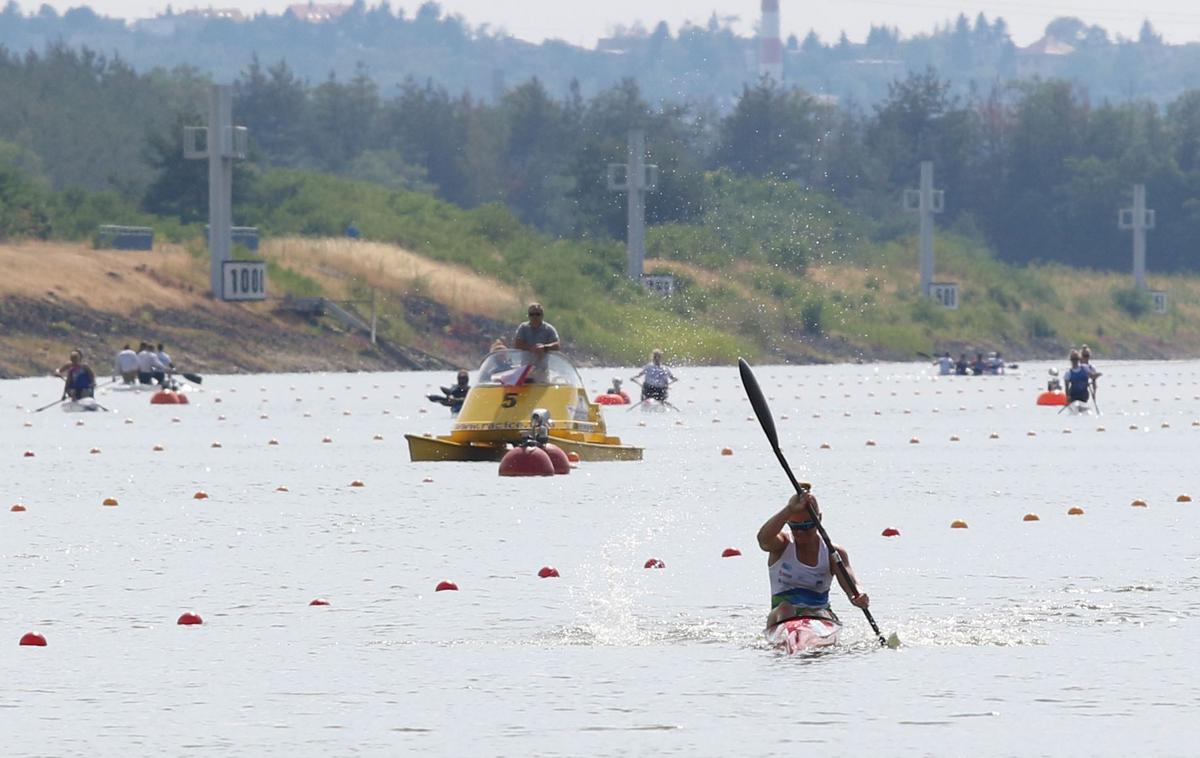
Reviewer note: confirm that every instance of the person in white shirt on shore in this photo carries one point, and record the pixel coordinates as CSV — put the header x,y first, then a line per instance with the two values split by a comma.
x,y
165,359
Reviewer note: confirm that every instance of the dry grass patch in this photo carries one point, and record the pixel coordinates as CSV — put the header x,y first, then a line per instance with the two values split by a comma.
x,y
339,265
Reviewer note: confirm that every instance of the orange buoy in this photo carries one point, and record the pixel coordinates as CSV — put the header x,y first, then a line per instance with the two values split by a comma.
x,y
1031,517
870,443
378,438
994,436
318,601
826,446
29,454
526,461
272,441
958,524
654,563
559,459
1074,511
357,483
181,399
282,488
914,441
200,495
730,552
726,451
1139,503
17,508
190,619
446,587
157,448
1052,398
215,444
110,501
32,639
1184,499
164,397
891,532
427,480
548,572
573,456
954,438
610,398
327,440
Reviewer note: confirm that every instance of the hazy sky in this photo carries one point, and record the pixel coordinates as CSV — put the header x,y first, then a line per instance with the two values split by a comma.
x,y
582,21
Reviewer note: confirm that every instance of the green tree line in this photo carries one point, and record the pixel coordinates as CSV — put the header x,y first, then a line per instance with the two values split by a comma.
x,y
1035,169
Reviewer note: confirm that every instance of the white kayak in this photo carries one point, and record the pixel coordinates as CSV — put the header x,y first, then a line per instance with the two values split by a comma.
x,y
83,405
798,635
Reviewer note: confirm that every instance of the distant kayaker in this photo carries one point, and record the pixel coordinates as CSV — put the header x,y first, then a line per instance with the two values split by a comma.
x,y
978,367
538,337
149,367
799,565
126,365
1085,360
453,397
615,389
657,378
945,364
79,380
164,358
1077,380
962,366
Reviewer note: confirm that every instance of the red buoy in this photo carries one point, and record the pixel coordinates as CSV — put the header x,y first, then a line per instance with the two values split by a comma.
x,y
548,572
655,563
319,601
163,397
562,464
730,552
891,532
443,586
190,619
1051,397
526,461
33,639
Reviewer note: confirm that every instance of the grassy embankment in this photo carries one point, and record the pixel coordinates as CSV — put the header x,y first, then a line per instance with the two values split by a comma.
x,y
771,272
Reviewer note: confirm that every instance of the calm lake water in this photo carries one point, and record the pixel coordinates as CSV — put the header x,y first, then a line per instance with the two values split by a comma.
x,y
1072,635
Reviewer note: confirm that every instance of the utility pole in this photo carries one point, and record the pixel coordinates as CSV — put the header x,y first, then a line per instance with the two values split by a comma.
x,y
1139,219
638,179
926,201
223,144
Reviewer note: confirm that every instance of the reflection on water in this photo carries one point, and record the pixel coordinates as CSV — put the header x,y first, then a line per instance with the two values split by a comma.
x,y
1011,629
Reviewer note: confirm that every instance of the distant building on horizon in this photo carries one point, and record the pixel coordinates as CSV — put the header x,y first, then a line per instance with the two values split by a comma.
x,y
1042,57
317,13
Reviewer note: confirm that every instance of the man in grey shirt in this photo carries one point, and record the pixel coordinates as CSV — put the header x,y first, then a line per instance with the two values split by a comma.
x,y
538,337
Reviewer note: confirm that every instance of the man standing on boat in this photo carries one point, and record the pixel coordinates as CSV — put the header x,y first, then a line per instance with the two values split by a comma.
x,y
1077,381
657,378
538,337
80,380
799,564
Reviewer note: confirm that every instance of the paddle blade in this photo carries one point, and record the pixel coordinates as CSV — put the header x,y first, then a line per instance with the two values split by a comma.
x,y
759,402
193,378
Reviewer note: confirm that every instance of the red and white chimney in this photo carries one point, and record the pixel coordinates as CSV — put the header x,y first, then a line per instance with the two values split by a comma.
x,y
770,47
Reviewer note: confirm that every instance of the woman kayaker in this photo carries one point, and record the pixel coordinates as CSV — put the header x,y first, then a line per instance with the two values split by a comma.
x,y
799,564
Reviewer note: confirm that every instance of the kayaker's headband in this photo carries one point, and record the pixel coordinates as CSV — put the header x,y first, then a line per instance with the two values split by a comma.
x,y
803,526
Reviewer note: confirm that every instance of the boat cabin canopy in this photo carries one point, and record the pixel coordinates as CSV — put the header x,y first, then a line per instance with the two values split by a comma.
x,y
514,367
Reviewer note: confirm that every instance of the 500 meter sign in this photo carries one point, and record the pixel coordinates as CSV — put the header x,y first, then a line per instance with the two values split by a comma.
x,y
244,280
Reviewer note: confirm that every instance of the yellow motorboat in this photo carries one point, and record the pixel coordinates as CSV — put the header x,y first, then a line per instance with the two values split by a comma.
x,y
509,387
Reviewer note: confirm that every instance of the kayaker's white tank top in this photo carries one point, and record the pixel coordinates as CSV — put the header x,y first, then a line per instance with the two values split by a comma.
x,y
799,583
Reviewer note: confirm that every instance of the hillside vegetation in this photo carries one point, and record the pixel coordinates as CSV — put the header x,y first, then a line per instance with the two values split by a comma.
x,y
771,272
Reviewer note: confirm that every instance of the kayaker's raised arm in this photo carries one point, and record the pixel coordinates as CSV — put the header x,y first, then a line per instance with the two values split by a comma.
x,y
770,535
